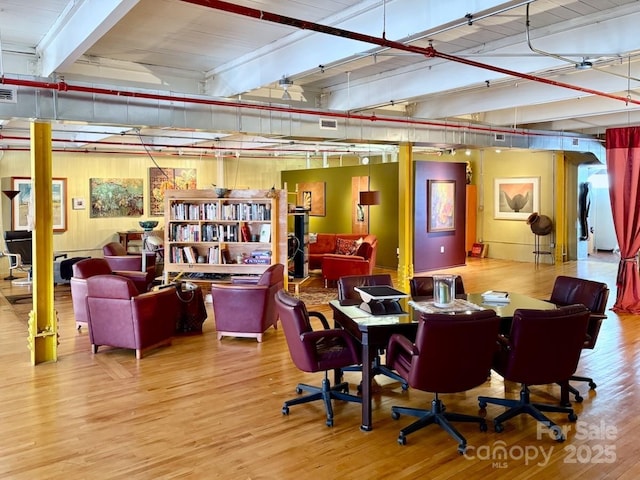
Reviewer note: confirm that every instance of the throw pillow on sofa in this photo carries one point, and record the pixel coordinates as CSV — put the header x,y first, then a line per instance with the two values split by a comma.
x,y
346,247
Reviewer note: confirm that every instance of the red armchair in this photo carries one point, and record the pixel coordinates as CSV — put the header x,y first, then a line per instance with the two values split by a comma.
x,y
121,317
118,258
89,267
247,310
362,262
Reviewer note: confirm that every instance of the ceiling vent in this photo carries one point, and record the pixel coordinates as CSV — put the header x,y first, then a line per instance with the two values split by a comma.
x,y
8,95
499,137
328,124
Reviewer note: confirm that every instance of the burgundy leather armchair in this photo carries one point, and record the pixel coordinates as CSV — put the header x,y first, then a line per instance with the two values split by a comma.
x,y
593,295
362,262
247,310
451,353
543,347
119,259
87,268
316,351
121,317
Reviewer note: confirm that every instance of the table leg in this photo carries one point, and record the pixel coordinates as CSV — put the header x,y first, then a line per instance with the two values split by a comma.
x,y
367,362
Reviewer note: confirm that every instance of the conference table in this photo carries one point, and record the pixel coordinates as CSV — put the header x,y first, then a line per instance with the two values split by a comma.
x,y
373,331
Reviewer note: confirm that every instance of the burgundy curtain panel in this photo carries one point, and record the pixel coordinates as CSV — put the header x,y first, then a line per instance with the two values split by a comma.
x,y
623,166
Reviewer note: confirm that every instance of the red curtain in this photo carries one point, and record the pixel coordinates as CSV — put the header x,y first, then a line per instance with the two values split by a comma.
x,y
623,166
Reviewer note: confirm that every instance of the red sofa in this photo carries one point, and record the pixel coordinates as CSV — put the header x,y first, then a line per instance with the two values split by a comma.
x,y
340,254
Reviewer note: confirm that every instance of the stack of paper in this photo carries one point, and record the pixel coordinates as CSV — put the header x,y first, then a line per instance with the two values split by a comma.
x,y
495,296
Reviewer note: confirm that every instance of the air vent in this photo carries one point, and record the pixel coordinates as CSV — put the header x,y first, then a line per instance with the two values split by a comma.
x,y
574,142
7,95
328,124
499,137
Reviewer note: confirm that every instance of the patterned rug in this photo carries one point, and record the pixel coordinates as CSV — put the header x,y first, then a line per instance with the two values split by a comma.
x,y
312,296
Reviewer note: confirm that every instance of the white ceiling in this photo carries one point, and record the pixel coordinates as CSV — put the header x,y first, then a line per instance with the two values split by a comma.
x,y
522,74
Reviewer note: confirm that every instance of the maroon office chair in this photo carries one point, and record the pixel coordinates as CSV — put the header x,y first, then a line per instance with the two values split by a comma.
x,y
451,353
593,295
421,288
316,351
543,347
121,317
247,309
348,296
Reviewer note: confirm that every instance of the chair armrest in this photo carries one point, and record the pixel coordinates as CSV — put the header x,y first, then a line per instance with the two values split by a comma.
x,y
15,260
399,344
59,255
322,319
332,334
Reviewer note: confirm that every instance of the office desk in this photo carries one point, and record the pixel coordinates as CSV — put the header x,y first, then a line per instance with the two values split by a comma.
x,y
373,332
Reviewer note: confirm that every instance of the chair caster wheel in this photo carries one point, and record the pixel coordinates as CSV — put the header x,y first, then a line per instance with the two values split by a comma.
x,y
462,449
482,405
573,417
298,390
395,415
405,386
329,422
498,427
592,385
402,440
285,410
483,427
578,399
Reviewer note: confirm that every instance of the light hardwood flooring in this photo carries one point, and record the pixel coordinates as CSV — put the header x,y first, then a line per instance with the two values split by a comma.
x,y
207,409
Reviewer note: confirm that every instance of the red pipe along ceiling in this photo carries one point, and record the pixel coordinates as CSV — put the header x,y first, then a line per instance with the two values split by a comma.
x,y
383,42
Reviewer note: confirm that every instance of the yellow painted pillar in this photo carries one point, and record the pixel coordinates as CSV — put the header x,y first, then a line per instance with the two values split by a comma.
x,y
43,321
560,208
405,216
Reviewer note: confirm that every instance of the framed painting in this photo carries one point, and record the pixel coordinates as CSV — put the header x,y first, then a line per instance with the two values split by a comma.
x,y
20,203
516,198
162,179
441,205
311,197
116,197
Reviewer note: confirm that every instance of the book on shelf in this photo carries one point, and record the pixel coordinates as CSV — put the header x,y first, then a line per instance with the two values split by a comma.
x,y
190,254
496,296
245,232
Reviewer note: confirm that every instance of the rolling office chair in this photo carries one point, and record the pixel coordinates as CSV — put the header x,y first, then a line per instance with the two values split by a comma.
x,y
543,347
593,295
316,351
347,295
451,353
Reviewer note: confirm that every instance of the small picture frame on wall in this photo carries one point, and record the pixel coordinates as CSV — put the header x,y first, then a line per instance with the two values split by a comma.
x,y
77,203
441,205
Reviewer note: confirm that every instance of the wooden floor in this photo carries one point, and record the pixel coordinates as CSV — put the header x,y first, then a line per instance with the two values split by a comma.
x,y
207,409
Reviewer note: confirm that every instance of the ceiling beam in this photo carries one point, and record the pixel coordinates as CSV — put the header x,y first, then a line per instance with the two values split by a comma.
x,y
77,29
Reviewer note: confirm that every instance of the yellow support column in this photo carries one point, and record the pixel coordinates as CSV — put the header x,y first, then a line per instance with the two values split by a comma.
x,y
405,216
560,208
43,319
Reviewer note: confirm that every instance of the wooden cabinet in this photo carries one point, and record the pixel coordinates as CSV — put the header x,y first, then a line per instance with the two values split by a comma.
x,y
242,233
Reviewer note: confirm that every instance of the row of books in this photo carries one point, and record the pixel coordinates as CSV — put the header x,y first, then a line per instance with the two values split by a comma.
x,y
217,211
218,233
189,254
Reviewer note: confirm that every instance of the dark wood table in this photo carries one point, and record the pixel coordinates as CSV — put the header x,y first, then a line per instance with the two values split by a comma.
x,y
373,332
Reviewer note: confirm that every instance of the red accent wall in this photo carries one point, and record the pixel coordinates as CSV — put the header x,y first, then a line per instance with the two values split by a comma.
x,y
427,245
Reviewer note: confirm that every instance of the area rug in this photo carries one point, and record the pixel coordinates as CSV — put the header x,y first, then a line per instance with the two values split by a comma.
x,y
317,295
23,303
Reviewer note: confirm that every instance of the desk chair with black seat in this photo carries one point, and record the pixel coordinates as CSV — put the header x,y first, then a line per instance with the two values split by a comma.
x,y
593,295
421,288
348,295
543,347
451,353
316,351
19,251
